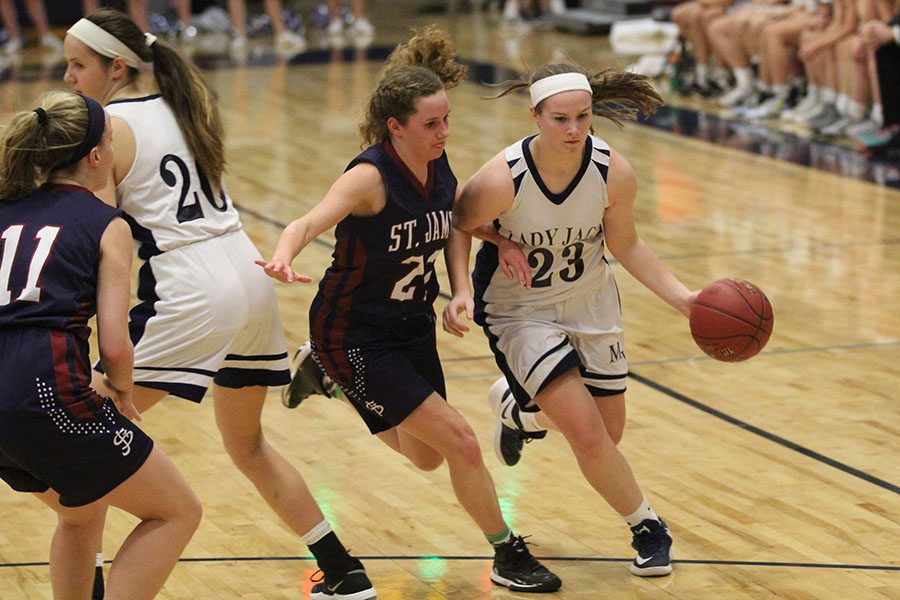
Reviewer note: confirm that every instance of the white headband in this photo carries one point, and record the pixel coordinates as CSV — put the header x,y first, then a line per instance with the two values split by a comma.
x,y
564,82
104,43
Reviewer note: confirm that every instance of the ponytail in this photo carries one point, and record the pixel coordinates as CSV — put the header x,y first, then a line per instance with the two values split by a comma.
x,y
37,141
181,86
615,95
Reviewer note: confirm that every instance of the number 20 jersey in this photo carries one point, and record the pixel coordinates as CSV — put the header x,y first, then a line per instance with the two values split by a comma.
x,y
560,234
167,202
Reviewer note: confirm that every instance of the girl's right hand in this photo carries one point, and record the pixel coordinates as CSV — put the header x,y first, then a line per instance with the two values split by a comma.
x,y
513,262
122,400
460,303
277,269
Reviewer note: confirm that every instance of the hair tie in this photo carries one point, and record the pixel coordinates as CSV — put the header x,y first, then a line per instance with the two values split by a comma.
x,y
149,39
42,115
93,134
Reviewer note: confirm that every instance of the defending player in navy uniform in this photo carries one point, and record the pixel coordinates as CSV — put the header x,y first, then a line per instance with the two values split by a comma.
x,y
207,315
372,322
64,257
556,200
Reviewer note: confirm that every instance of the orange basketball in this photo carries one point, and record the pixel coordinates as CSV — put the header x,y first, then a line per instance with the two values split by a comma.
x,y
731,320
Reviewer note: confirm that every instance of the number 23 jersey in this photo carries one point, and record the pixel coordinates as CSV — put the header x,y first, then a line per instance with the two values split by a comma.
x,y
560,234
168,202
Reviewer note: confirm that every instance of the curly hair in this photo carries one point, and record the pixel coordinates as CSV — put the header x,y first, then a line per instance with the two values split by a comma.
x,y
422,66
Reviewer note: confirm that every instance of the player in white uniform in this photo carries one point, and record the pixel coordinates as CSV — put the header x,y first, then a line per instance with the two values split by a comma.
x,y
554,201
208,314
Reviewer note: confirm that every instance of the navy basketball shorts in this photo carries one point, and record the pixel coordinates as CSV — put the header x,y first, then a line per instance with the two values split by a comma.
x,y
75,442
388,373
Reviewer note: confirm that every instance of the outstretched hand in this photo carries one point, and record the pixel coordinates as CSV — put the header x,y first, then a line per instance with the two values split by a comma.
x,y
277,269
451,322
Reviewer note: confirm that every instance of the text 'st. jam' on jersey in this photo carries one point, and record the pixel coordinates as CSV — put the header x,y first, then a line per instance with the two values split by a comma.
x,y
383,265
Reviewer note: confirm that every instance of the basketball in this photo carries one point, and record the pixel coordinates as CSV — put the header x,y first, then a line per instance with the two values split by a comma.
x,y
731,320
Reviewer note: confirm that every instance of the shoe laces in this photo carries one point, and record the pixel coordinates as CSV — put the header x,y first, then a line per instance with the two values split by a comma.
x,y
519,554
320,577
328,385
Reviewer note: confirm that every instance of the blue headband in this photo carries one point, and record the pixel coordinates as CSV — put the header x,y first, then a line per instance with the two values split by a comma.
x,y
93,135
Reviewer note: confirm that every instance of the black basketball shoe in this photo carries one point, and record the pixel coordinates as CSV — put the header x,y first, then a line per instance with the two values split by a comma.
x,y
307,378
654,549
508,441
352,585
517,569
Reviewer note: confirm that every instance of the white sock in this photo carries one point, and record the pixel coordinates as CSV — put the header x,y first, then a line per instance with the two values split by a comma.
x,y
99,559
841,103
702,72
814,91
744,78
642,513
878,114
829,96
316,533
781,91
719,74
855,110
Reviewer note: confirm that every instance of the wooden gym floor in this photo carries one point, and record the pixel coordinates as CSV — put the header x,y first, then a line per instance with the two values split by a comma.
x,y
778,476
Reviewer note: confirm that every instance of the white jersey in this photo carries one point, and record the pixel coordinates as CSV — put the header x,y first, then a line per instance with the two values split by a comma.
x,y
206,312
164,194
561,234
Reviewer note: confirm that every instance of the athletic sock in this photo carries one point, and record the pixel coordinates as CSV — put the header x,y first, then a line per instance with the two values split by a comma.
x,y
642,513
500,538
329,551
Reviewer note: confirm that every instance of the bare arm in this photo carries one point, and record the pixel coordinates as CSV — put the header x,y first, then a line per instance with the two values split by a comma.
x,y
482,199
124,151
629,249
456,255
488,194
360,191
113,297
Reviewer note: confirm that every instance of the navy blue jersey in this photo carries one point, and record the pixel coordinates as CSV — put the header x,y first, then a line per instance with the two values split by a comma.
x,y
48,289
382,270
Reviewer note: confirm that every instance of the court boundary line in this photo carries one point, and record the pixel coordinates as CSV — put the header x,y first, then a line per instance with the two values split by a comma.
x,y
560,559
765,434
